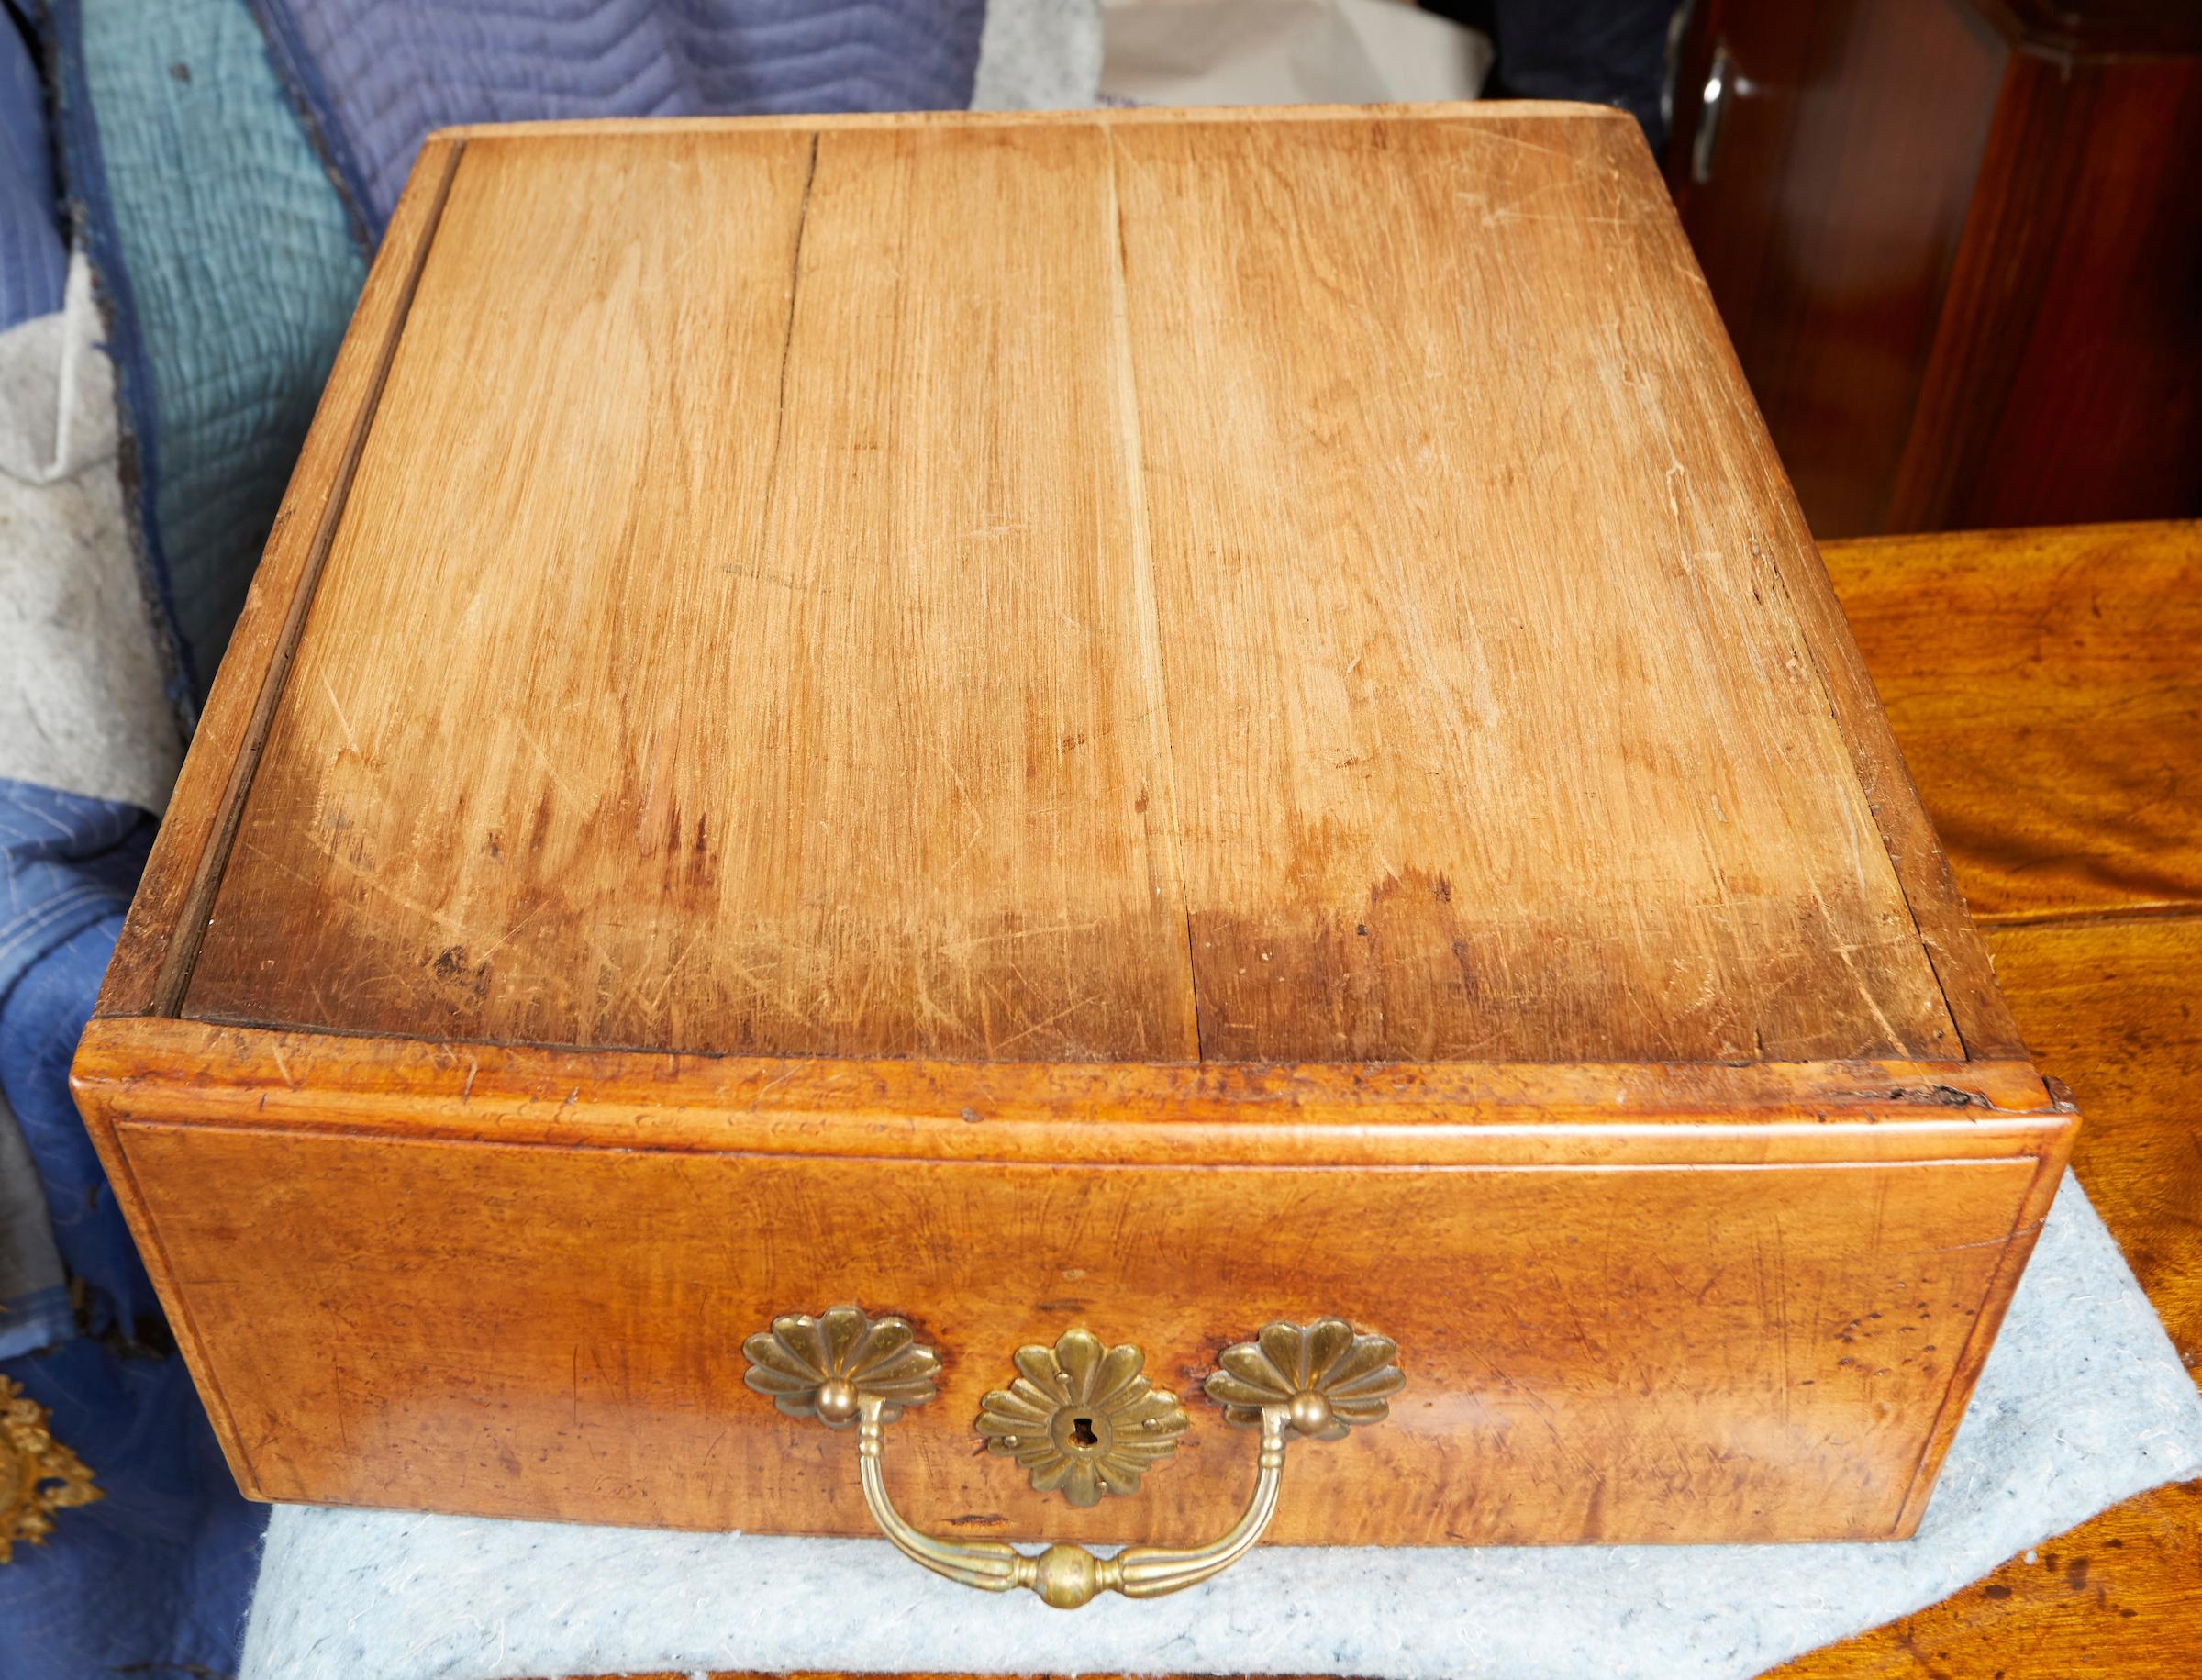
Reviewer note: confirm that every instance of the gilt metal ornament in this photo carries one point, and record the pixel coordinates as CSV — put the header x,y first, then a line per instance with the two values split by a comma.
x,y
1327,1378
826,1366
1083,1421
37,1476
1080,1419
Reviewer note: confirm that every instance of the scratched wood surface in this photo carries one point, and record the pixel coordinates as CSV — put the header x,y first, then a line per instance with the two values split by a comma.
x,y
1070,591
1413,493
153,957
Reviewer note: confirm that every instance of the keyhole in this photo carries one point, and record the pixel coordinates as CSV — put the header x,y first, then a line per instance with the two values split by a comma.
x,y
1082,1432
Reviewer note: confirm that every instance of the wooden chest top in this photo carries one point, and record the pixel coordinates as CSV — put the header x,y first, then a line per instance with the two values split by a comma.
x,y
1122,587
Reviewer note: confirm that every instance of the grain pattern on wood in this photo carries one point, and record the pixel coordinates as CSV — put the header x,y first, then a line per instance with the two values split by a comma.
x,y
1559,111
851,657
1575,1336
160,936
2112,1007
2116,1010
2047,688
742,652
1441,796
1222,1114
2116,1596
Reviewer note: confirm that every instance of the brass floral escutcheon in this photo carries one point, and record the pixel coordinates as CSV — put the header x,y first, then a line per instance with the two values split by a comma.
x,y
1326,1378
37,1475
826,1366
1080,1418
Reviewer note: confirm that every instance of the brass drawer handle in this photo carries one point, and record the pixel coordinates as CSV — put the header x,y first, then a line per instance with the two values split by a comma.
x,y
1068,1576
1315,1381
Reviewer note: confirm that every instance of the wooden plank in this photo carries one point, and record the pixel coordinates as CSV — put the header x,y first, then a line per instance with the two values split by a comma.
x,y
2049,702
734,643
1517,111
1495,726
160,937
1953,945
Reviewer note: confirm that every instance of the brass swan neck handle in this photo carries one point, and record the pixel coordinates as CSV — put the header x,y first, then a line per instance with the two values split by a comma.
x,y
1083,1421
1068,1576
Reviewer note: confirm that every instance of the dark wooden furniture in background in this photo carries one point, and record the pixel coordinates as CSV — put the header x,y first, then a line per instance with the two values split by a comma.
x,y
1958,244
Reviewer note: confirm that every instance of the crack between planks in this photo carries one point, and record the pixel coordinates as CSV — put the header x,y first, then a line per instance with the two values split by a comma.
x,y
795,279
1147,605
768,526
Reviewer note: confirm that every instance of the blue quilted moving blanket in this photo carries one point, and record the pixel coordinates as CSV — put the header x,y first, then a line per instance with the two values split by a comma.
x,y
32,261
229,166
377,76
154,1577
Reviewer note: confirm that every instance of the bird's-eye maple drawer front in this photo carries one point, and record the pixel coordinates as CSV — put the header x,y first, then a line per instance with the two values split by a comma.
x,y
1663,1330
